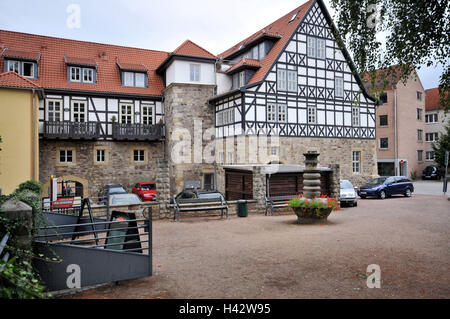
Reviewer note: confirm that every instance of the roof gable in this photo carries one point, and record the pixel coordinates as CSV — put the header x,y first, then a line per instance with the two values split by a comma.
x,y
432,100
14,80
189,48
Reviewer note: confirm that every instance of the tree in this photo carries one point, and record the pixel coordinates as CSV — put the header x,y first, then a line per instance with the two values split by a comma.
x,y
409,33
441,146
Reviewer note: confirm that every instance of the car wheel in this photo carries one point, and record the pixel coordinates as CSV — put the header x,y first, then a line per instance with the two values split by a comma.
x,y
355,204
382,195
363,196
408,193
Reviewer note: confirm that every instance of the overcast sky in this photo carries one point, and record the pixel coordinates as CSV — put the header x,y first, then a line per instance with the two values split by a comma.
x,y
156,24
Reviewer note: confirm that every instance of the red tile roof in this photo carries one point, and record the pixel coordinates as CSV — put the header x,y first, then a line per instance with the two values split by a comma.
x,y
244,62
132,67
432,100
53,69
282,28
14,80
22,54
80,61
189,48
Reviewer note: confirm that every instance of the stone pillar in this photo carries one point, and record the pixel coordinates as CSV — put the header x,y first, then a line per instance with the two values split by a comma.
x,y
259,188
335,181
163,186
16,210
311,176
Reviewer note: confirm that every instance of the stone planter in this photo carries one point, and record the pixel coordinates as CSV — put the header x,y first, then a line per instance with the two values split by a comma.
x,y
310,216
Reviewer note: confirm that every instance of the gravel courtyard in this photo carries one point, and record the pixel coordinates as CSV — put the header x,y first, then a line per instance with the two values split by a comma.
x,y
273,257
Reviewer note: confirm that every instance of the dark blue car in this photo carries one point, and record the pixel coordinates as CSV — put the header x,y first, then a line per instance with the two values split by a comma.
x,y
383,187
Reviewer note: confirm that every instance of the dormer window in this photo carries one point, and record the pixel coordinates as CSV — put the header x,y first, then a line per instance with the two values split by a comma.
x,y
134,79
81,75
24,68
293,17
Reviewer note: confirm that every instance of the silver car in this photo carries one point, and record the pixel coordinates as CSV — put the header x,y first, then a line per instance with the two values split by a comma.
x,y
348,194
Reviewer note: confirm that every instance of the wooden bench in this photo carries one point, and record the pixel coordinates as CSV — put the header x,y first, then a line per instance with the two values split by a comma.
x,y
276,202
196,205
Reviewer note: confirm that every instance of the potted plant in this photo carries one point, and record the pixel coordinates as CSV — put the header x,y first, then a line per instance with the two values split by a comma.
x,y
113,119
311,210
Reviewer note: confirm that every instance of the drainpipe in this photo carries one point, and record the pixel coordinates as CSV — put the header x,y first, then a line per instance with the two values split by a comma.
x,y
33,177
396,166
214,125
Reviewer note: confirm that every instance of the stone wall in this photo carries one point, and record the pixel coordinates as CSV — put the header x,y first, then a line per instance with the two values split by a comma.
x,y
118,169
188,116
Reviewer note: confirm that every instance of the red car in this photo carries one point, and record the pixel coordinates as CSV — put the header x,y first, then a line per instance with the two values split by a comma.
x,y
146,191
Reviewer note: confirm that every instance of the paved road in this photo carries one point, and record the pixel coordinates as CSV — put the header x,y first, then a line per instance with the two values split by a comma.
x,y
429,188
273,257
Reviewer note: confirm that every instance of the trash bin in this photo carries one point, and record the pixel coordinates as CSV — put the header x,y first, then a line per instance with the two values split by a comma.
x,y
242,208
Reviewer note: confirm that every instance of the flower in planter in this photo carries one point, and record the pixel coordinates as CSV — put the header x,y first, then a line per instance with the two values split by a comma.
x,y
316,204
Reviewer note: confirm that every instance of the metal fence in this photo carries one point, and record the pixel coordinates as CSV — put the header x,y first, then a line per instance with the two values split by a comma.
x,y
103,248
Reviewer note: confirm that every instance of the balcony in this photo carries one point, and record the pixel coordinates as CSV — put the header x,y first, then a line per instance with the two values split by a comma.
x,y
138,132
71,130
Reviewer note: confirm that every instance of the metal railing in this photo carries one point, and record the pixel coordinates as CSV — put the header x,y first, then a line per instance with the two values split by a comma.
x,y
69,130
137,132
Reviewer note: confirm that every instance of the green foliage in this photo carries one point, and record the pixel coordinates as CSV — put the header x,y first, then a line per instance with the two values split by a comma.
x,y
33,186
314,204
413,175
17,278
441,146
409,33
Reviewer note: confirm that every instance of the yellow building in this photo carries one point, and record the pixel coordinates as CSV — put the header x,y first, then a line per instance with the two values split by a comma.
x,y
19,118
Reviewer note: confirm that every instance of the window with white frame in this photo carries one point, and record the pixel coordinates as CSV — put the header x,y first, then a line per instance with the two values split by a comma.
x,y
134,79
274,151
139,156
28,69
271,112
230,158
282,80
339,87
24,68
126,113
222,158
282,113
384,143
75,74
431,118
148,114
356,162
316,48
242,78
292,81
65,156
430,156
79,111
54,110
88,75
195,72
432,137
312,115
100,156
355,116
13,66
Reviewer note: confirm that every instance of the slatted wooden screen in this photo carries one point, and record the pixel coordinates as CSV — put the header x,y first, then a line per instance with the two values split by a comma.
x,y
238,185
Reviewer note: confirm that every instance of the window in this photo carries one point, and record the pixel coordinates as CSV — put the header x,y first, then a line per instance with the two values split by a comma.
x,y
384,143
208,181
226,117
355,116
231,158
88,76
419,96
255,53
75,74
126,113
148,114
195,72
419,136
430,156
271,113
312,111
282,82
431,118
139,156
383,98
294,16
134,79
432,137
287,80
356,161
383,120
54,110
420,156
276,113
274,151
316,48
292,81
419,114
262,51
222,158
101,156
66,156
339,87
24,68
242,78
79,111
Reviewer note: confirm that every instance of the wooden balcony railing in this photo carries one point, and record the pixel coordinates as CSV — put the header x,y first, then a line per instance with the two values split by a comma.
x,y
137,132
71,130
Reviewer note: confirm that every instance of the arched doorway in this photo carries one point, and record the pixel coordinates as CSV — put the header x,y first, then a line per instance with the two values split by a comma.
x,y
69,185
